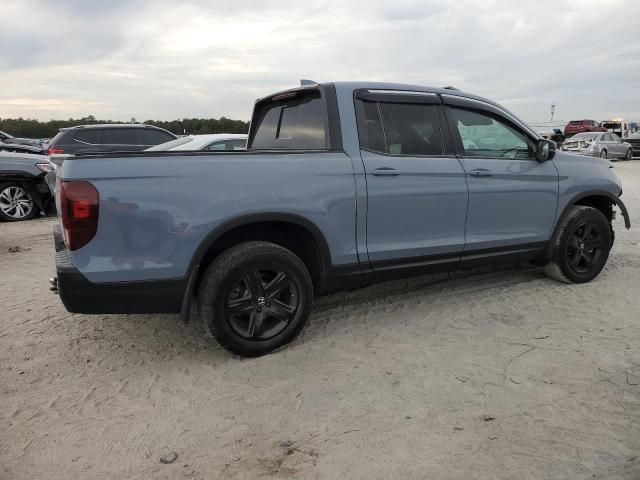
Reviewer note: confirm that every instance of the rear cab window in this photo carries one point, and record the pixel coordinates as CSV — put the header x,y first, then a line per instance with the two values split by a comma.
x,y
292,120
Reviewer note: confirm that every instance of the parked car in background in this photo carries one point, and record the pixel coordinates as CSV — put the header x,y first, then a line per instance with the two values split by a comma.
x,y
341,185
634,140
23,191
212,142
21,148
7,138
107,138
603,145
580,126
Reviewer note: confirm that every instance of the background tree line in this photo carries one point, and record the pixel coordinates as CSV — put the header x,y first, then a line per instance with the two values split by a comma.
x,y
30,128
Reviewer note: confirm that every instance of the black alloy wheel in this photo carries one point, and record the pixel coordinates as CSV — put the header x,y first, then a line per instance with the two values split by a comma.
x,y
584,249
262,303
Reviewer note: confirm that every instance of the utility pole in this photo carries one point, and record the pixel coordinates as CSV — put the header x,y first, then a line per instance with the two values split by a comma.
x,y
553,109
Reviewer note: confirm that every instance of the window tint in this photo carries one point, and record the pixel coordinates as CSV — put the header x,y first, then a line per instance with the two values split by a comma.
x,y
401,129
122,136
87,137
411,129
484,136
372,137
154,137
297,123
227,145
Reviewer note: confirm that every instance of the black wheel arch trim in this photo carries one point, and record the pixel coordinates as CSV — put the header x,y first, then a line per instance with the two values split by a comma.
x,y
254,218
597,193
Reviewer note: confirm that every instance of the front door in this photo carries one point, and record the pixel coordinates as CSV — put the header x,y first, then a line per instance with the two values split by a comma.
x,y
512,196
416,193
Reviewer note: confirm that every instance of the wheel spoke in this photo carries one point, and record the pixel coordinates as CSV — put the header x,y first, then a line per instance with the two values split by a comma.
x,y
588,259
592,243
275,286
253,281
255,324
240,305
575,261
281,310
588,230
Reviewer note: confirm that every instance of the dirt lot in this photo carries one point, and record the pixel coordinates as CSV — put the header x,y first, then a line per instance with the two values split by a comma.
x,y
500,375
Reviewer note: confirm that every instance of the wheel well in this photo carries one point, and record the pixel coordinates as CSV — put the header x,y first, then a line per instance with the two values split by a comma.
x,y
604,204
291,236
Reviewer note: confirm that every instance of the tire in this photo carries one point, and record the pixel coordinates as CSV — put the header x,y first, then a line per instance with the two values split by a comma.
x,y
255,298
16,203
580,246
629,155
603,154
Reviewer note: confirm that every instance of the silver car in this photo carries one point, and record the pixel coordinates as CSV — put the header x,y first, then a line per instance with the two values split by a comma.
x,y
598,144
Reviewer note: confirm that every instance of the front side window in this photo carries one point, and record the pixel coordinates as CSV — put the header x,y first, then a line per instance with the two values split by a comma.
x,y
401,129
295,122
483,135
154,137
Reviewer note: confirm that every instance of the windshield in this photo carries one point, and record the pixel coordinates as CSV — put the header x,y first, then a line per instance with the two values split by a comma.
x,y
170,144
586,136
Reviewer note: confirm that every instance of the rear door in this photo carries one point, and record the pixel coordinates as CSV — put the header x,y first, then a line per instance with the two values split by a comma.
x,y
121,139
512,196
416,187
617,146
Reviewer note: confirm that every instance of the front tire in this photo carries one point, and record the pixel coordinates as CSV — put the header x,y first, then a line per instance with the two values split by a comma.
x,y
629,155
255,298
603,154
580,246
16,203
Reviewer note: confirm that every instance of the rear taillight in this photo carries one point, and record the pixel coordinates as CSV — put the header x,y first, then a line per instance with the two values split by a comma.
x,y
55,151
79,211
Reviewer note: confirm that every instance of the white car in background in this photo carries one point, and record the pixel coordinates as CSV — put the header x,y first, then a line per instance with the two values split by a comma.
x,y
213,142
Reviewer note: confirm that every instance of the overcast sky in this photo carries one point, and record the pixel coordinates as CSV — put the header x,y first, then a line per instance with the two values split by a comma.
x,y
167,59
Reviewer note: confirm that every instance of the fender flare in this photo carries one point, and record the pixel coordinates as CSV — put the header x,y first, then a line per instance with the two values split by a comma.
x,y
598,193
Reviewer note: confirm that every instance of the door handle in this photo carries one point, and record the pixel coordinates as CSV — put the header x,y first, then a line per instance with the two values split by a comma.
x,y
385,172
480,172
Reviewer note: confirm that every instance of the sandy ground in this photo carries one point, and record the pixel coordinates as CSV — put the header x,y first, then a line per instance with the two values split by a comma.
x,y
500,375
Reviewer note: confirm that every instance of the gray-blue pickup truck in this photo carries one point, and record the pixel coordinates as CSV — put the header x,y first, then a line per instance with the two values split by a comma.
x,y
342,185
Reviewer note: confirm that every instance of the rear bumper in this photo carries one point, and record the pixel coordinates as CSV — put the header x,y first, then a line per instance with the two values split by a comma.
x,y
79,295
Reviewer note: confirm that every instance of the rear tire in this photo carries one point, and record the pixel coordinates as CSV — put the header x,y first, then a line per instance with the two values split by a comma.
x,y
255,298
16,203
580,246
603,154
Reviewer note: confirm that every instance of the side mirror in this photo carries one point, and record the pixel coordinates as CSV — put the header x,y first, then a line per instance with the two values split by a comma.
x,y
545,150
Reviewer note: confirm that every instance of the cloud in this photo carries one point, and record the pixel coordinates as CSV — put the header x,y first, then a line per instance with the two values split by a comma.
x,y
167,59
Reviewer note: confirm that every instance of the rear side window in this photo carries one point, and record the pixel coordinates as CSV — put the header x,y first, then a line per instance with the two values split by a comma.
x,y
121,136
401,129
295,123
84,137
154,137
